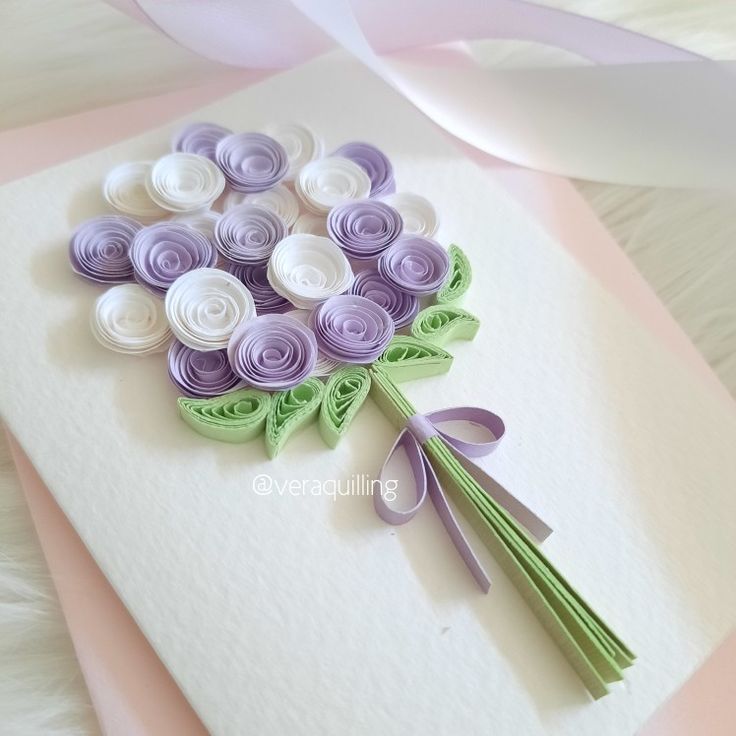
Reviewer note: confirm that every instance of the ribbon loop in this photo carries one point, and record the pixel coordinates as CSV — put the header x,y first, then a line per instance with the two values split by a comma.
x,y
419,429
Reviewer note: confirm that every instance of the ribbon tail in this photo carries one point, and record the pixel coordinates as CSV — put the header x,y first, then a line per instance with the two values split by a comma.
x,y
518,509
444,511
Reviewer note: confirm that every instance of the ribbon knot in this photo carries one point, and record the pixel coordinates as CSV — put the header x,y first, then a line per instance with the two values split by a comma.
x,y
418,430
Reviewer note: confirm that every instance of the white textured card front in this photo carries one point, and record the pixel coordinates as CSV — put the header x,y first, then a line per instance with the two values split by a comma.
x,y
281,612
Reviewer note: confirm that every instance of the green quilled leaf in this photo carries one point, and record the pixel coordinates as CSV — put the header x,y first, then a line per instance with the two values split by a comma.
x,y
291,410
345,392
407,358
459,278
441,323
235,417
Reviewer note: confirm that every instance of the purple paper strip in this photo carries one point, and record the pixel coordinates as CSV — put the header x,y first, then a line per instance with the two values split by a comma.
x,y
200,374
255,278
401,307
200,138
273,352
364,229
415,265
375,163
99,249
249,233
162,252
251,162
352,329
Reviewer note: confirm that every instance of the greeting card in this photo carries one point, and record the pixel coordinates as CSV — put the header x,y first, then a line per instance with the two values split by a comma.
x,y
259,570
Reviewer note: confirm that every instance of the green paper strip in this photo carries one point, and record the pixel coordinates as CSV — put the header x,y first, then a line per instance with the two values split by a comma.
x,y
441,323
407,358
594,651
345,393
291,410
235,417
459,278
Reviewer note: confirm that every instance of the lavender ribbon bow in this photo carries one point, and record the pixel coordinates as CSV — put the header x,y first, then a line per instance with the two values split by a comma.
x,y
420,428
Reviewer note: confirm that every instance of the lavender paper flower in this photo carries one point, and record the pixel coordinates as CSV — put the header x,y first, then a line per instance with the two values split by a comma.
x,y
273,352
401,307
200,138
200,374
249,233
415,265
251,162
352,328
162,252
364,229
376,165
255,278
99,249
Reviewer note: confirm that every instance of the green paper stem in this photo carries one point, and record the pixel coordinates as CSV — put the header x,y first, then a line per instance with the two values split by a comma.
x,y
594,651
459,278
235,417
407,358
441,323
345,392
290,411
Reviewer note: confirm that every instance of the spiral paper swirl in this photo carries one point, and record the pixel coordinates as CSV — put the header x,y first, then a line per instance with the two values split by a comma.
x,y
374,162
99,249
364,229
127,319
248,233
204,222
125,190
184,182
352,328
402,307
200,374
162,252
415,265
200,138
255,278
327,182
300,143
205,306
306,269
251,162
418,214
325,365
274,352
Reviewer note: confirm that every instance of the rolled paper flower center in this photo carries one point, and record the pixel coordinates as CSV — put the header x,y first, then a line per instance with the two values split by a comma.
x,y
127,319
249,233
299,142
162,252
418,214
307,269
205,305
327,182
352,328
125,190
415,265
401,307
255,279
273,352
98,249
365,228
200,374
251,162
184,182
200,138
375,163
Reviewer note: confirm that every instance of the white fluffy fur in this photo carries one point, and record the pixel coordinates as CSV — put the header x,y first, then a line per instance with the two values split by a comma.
x,y
681,241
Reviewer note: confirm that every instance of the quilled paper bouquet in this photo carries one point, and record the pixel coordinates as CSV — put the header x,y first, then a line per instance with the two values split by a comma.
x,y
286,286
